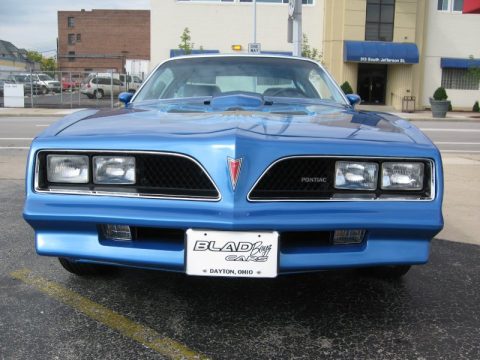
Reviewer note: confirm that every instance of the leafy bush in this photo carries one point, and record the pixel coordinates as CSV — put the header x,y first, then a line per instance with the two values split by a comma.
x,y
185,42
440,94
346,88
476,107
450,108
309,52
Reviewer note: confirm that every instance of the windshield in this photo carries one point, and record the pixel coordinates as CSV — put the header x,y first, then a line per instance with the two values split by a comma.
x,y
214,76
19,78
45,77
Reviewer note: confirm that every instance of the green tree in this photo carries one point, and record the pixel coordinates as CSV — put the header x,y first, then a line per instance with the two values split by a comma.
x,y
346,88
476,107
309,52
46,64
34,56
186,42
440,94
474,70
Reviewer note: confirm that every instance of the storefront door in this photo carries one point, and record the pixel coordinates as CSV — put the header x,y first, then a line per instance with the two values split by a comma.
x,y
372,83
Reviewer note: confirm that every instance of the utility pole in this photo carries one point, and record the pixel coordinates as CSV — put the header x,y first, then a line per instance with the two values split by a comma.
x,y
295,33
254,21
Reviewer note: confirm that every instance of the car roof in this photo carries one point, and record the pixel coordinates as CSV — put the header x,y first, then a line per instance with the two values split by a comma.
x,y
275,56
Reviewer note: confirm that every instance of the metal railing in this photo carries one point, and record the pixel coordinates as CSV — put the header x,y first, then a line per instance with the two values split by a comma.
x,y
60,89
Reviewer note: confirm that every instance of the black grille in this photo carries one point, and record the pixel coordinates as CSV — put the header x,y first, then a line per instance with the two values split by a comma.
x,y
313,178
299,178
172,175
163,175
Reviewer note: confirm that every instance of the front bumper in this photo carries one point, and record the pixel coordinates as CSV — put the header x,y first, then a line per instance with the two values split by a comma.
x,y
68,226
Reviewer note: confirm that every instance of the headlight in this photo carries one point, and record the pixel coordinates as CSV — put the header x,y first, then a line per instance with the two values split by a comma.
x,y
355,175
402,176
67,169
113,170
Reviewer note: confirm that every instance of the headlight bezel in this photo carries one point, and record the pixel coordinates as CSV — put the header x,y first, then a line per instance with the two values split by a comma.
x,y
358,164
82,178
427,193
97,178
399,187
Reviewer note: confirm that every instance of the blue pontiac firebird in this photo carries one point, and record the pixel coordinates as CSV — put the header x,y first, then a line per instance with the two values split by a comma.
x,y
241,166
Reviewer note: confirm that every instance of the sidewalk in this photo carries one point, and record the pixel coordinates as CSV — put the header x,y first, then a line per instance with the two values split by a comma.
x,y
425,115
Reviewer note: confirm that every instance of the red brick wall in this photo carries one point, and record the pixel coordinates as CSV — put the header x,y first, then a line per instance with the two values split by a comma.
x,y
108,38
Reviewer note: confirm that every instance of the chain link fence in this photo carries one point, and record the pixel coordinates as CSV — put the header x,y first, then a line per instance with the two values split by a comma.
x,y
62,90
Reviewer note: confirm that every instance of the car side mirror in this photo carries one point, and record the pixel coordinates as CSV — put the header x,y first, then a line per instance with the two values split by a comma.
x,y
354,99
125,98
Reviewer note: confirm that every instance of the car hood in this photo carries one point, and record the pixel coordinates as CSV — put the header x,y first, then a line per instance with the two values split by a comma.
x,y
315,122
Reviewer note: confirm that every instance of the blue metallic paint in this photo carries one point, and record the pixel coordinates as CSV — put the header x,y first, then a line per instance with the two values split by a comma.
x,y
398,232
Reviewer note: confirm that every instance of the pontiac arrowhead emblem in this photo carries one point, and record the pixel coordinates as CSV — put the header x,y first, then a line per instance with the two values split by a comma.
x,y
234,167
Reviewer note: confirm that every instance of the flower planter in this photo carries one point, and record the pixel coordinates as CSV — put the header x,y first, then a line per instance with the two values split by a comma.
x,y
439,107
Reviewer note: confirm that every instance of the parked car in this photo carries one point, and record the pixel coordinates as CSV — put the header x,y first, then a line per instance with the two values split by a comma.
x,y
235,166
131,82
28,86
69,84
100,86
45,83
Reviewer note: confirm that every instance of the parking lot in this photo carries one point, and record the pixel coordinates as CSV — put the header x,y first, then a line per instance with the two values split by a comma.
x,y
67,99
433,313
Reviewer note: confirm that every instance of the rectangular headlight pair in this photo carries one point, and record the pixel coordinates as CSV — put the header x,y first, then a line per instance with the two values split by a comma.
x,y
75,169
359,175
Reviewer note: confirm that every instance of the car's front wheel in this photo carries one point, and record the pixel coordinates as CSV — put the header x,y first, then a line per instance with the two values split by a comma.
x,y
98,94
386,272
44,90
83,269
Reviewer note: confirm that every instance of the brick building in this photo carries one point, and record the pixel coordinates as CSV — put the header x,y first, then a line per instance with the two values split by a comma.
x,y
102,40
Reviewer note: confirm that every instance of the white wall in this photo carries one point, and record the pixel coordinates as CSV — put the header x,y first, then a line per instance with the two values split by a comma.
x,y
454,35
218,26
137,67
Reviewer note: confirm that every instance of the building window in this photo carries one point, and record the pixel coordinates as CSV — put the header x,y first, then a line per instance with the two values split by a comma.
x,y
71,21
457,5
379,24
79,37
450,5
443,5
460,79
71,56
71,39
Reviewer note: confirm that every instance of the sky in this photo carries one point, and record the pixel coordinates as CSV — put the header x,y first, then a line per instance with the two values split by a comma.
x,y
32,24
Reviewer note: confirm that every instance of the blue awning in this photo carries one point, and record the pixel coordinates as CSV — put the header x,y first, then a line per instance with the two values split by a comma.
x,y
179,52
459,63
380,52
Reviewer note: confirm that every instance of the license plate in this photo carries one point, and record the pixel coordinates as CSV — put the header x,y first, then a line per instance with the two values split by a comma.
x,y
232,253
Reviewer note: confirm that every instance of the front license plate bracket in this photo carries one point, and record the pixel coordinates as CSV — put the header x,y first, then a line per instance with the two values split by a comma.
x,y
231,253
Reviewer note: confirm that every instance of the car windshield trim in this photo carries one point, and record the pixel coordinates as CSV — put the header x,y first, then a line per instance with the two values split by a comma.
x,y
202,105
297,72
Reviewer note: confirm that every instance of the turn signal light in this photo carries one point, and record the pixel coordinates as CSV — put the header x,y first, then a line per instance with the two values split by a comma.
x,y
117,232
342,237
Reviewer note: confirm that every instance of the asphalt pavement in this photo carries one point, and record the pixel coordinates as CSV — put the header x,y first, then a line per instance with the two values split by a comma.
x,y
449,136
433,313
